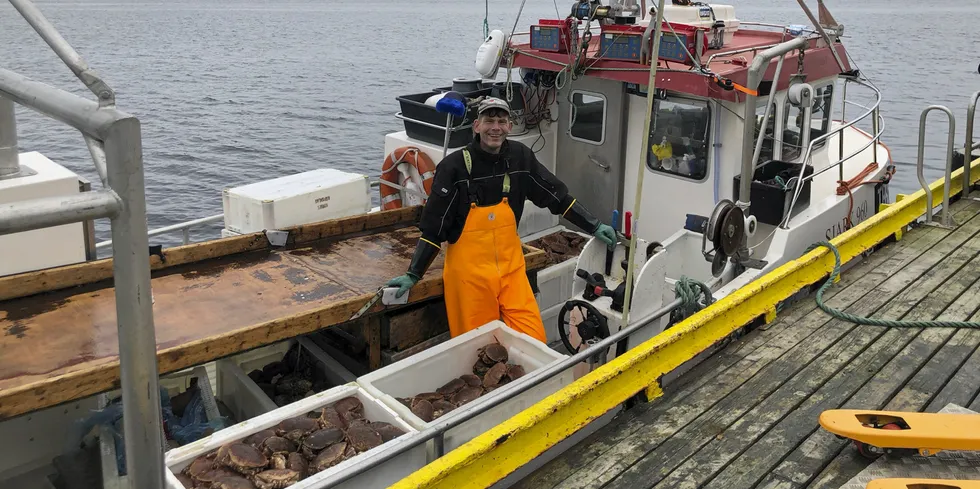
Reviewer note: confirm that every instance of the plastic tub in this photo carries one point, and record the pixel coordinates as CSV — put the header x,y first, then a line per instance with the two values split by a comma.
x,y
248,400
432,368
382,476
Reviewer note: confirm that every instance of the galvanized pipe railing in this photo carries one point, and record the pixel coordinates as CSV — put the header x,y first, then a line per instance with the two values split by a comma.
x,y
877,128
949,163
971,111
9,158
124,202
185,227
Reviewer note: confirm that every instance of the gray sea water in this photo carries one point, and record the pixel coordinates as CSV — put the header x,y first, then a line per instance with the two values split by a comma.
x,y
234,91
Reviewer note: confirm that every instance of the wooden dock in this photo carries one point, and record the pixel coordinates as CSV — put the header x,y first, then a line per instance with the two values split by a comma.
x,y
747,416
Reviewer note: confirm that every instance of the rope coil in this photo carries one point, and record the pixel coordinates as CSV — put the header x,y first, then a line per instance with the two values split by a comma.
x,y
872,321
694,296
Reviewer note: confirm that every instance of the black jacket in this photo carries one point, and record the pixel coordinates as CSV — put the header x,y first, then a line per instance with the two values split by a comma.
x,y
447,207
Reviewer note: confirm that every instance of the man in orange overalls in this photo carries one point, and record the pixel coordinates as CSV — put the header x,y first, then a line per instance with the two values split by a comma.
x,y
477,199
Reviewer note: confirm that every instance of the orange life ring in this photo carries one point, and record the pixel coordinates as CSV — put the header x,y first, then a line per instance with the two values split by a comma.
x,y
391,197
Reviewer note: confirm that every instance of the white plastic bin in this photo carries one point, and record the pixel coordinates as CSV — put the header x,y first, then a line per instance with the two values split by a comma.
x,y
246,399
382,476
312,196
433,368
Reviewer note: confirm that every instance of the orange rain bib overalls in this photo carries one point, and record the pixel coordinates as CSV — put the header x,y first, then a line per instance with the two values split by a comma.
x,y
484,276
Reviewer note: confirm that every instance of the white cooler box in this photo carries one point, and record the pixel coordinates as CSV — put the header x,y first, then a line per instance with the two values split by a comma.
x,y
312,196
433,368
382,476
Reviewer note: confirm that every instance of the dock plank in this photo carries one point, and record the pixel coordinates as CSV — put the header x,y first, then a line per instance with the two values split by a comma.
x,y
202,311
759,460
688,440
610,451
751,418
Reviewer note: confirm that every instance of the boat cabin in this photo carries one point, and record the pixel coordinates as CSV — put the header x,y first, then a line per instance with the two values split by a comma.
x,y
584,113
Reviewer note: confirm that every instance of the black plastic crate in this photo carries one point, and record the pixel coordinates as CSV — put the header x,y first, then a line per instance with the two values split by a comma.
x,y
770,201
414,109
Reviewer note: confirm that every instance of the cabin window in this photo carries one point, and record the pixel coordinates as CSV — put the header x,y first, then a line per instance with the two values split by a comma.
x,y
679,138
819,123
588,117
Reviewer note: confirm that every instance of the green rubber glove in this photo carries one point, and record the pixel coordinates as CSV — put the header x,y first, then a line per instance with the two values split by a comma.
x,y
403,282
606,234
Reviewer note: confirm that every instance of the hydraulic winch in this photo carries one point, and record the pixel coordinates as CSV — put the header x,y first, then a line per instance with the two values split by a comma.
x,y
728,230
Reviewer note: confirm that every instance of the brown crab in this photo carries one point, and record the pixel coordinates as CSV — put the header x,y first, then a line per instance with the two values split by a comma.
x,y
515,371
480,369
232,482
329,457
471,380
387,431
294,429
451,387
277,444
494,375
423,409
329,418
242,458
199,466
296,462
256,439
441,407
465,395
320,439
350,404
276,479
493,353
362,437
185,481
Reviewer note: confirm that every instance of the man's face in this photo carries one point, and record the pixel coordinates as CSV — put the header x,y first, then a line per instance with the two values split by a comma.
x,y
493,126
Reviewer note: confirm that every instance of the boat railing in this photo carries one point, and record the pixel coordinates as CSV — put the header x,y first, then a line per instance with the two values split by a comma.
x,y
184,227
115,141
877,123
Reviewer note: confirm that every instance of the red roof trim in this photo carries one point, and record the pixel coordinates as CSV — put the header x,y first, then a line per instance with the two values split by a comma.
x,y
818,63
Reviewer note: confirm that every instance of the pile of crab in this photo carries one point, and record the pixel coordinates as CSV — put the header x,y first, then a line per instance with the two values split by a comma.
x,y
290,379
490,371
296,448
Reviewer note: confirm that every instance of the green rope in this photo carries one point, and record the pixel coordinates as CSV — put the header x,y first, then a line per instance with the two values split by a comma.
x,y
694,296
871,321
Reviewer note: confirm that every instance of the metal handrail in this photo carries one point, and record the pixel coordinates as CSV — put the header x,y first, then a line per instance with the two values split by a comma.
x,y
949,163
182,226
429,124
124,202
439,426
971,111
878,122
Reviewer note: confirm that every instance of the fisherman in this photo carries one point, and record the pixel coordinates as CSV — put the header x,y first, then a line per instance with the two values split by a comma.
x,y
476,202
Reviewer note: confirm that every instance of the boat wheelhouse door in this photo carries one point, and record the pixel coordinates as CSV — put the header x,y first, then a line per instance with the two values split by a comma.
x,y
591,141
682,172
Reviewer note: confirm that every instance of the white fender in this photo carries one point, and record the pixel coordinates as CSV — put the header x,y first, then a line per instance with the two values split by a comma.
x,y
489,54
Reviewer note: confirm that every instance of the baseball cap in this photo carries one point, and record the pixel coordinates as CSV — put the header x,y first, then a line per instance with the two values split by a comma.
x,y
493,103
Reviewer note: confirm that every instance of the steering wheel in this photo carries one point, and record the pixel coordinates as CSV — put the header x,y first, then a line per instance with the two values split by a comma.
x,y
591,329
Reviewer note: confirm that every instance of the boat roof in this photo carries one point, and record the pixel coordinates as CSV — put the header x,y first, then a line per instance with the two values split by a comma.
x,y
731,61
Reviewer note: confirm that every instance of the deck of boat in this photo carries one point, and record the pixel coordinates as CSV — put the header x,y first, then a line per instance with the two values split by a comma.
x,y
747,416
210,300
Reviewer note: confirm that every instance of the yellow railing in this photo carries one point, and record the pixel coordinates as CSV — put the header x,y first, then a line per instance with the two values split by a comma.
x,y
506,447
